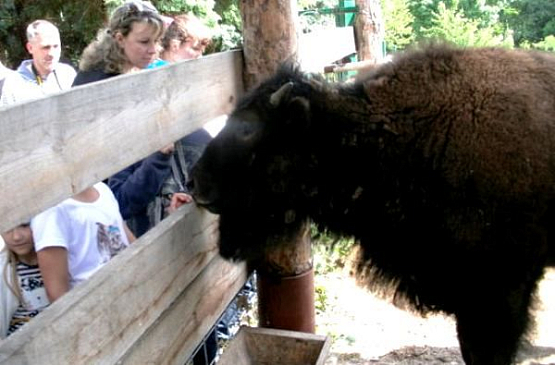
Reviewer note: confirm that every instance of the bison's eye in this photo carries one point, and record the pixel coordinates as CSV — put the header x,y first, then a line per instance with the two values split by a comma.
x,y
246,131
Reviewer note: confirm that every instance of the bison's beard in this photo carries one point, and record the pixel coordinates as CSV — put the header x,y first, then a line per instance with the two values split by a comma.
x,y
248,238
239,240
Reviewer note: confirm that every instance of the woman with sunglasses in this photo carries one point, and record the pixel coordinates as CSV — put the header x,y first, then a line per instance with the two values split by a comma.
x,y
129,43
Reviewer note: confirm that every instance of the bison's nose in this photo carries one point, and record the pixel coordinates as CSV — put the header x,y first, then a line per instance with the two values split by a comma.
x,y
203,194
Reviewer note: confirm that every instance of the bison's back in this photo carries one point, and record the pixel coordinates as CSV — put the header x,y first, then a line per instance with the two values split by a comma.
x,y
469,170
486,115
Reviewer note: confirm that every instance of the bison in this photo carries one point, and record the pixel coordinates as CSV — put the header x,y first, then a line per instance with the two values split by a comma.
x,y
440,163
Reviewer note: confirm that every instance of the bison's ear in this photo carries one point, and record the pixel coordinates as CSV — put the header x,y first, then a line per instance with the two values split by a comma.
x,y
299,112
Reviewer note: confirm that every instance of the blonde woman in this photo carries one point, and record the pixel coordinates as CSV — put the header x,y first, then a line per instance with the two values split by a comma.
x,y
129,43
22,291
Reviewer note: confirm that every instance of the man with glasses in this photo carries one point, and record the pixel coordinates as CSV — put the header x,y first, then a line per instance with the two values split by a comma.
x,y
43,74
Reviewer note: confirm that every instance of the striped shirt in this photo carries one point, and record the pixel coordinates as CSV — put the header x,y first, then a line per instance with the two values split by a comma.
x,y
33,293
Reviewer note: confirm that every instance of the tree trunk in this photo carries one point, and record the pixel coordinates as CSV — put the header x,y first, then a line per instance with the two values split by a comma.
x,y
285,277
369,31
269,37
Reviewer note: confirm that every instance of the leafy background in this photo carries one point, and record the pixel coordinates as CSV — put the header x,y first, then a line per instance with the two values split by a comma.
x,y
79,21
508,23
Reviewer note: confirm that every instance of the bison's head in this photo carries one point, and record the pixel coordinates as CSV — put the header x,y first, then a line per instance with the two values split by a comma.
x,y
255,174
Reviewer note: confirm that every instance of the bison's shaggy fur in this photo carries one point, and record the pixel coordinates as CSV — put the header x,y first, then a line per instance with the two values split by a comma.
x,y
440,163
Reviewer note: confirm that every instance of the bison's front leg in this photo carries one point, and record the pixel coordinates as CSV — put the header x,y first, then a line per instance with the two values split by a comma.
x,y
490,328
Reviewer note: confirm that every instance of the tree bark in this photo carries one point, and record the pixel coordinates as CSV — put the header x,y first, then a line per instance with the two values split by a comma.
x,y
285,277
369,30
269,37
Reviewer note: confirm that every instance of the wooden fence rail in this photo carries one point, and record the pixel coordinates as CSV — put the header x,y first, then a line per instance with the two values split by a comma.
x,y
153,303
55,147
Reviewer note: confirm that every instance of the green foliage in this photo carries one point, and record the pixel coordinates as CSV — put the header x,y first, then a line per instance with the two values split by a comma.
x,y
547,44
398,24
228,33
483,17
321,299
223,17
77,20
531,20
330,253
314,14
422,11
452,25
80,20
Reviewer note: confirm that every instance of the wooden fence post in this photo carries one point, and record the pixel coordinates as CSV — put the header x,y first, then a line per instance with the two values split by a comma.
x,y
269,37
286,285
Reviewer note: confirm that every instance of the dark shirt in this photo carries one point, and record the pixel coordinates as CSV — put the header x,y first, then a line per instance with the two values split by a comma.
x,y
86,77
136,186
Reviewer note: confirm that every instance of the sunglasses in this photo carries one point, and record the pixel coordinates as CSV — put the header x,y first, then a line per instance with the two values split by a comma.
x,y
136,7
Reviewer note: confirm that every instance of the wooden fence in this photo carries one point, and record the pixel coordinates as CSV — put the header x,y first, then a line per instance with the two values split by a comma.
x,y
153,303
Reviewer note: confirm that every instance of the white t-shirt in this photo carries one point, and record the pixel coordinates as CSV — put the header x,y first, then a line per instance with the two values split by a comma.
x,y
92,233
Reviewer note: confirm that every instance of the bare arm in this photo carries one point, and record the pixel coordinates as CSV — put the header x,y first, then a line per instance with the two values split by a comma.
x,y
53,264
130,236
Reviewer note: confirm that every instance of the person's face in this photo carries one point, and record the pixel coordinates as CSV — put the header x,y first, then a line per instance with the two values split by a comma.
x,y
19,240
190,49
140,45
45,48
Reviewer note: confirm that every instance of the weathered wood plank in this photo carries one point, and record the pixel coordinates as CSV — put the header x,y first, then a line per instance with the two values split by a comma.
x,y
99,321
174,337
254,345
55,147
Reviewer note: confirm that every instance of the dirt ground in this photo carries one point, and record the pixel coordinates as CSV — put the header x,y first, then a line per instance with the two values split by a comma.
x,y
368,330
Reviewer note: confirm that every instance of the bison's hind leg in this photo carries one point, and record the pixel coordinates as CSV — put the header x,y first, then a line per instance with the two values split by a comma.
x,y
490,326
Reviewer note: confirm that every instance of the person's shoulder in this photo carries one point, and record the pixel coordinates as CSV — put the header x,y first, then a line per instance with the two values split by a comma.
x,y
14,76
14,89
101,187
158,63
22,76
65,74
66,69
25,71
4,71
3,257
198,137
86,77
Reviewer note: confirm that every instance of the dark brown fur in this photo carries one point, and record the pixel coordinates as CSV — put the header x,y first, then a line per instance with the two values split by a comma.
x,y
440,164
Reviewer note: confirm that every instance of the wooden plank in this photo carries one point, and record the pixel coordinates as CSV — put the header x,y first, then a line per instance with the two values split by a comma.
x,y
254,345
177,333
351,66
99,321
54,147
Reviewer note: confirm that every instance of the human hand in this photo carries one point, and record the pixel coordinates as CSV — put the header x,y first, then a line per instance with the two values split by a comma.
x,y
177,200
168,150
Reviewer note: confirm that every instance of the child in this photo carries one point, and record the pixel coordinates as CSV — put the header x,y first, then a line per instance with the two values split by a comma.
x,y
22,291
77,237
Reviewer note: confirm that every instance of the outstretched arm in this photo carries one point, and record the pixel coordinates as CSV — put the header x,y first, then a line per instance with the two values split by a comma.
x,y
137,185
53,264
